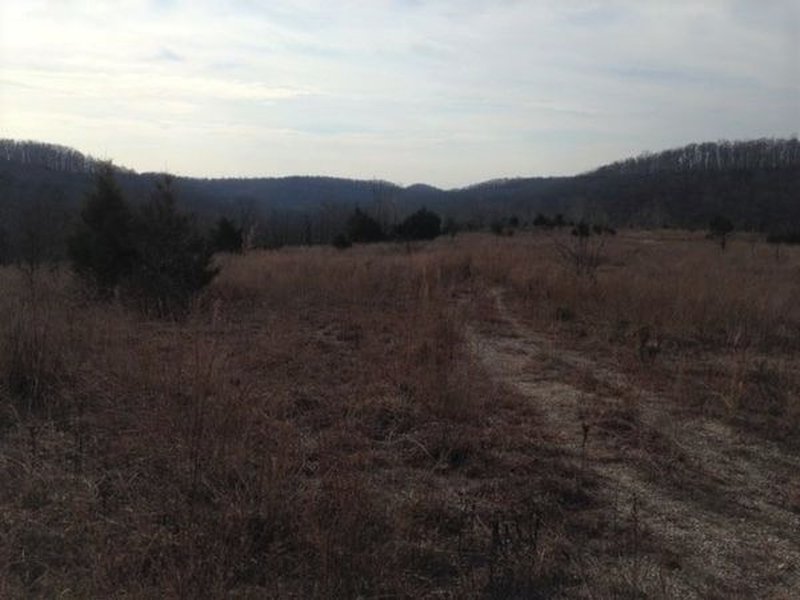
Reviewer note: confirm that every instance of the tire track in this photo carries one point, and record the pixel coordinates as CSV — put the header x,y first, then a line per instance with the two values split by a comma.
x,y
739,541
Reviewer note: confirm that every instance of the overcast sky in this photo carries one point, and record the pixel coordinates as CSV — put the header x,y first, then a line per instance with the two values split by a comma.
x,y
448,92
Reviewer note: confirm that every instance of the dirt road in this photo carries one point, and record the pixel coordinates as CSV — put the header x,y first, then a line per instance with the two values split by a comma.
x,y
702,493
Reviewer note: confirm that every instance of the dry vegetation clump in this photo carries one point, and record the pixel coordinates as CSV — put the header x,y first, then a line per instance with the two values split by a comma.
x,y
315,428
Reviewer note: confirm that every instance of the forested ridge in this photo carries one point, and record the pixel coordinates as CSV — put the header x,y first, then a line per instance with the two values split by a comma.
x,y
53,157
761,154
754,183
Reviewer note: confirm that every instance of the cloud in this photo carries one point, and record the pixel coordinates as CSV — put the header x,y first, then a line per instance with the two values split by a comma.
x,y
167,55
104,85
457,90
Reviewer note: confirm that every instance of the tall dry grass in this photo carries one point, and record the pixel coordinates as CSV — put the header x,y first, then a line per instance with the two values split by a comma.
x,y
723,328
317,427
682,284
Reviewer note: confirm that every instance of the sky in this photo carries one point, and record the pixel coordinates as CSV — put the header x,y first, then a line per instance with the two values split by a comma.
x,y
446,92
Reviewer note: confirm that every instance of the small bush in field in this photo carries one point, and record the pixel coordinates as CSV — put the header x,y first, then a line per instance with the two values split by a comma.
x,y
583,252
790,237
542,221
720,228
565,314
341,242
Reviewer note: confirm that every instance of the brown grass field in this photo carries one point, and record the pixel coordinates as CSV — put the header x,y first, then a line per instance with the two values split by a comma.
x,y
468,418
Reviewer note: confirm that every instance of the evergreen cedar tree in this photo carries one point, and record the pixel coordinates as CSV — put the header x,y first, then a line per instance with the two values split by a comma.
x,y
422,225
157,256
226,237
363,229
173,261
101,248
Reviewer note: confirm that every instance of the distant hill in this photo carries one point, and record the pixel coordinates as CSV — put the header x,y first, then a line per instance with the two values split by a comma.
x,y
30,168
712,157
50,157
755,183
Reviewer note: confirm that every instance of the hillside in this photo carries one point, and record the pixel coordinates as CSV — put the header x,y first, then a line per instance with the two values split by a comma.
x,y
755,183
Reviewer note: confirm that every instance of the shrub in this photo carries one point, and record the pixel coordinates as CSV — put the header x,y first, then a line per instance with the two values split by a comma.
x,y
172,261
101,249
4,246
791,237
341,242
720,228
584,252
157,256
582,230
226,237
542,221
422,225
450,227
361,228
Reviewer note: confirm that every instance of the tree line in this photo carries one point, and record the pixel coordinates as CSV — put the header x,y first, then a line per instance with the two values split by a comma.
x,y
53,157
155,256
764,153
754,184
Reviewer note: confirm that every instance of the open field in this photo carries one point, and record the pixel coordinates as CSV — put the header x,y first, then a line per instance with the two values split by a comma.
x,y
468,418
